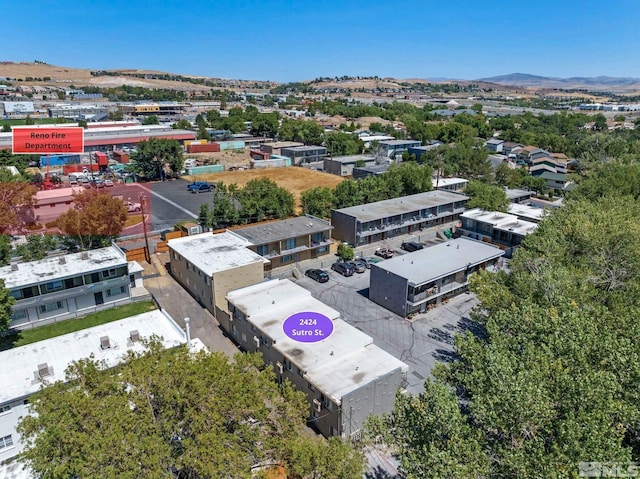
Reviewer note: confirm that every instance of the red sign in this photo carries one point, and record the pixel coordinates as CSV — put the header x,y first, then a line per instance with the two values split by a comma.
x,y
34,140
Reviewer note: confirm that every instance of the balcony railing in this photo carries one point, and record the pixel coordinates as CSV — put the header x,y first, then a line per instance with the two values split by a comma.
x,y
413,220
73,292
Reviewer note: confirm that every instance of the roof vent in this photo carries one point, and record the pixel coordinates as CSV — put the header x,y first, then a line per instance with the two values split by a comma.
x,y
43,370
84,255
134,336
62,260
105,343
14,266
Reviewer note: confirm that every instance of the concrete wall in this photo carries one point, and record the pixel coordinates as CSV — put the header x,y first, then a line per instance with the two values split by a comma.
x,y
388,290
193,280
235,278
8,423
344,227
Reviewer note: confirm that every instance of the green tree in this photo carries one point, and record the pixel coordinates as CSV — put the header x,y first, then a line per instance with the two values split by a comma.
x,y
204,216
6,128
339,144
487,197
36,247
345,252
6,301
262,198
265,124
29,120
412,177
317,201
553,378
5,249
224,212
157,155
83,124
181,414
116,116
182,124
348,194
151,120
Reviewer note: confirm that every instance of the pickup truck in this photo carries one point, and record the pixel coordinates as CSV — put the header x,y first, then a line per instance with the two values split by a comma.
x,y
199,186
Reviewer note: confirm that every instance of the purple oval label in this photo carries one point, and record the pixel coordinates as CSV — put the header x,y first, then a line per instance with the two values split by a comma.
x,y
308,327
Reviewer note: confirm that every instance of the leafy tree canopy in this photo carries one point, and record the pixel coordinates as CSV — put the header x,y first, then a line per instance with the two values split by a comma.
x,y
487,197
175,413
156,156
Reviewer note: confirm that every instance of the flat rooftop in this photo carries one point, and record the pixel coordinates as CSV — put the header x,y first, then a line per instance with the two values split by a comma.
x,y
399,142
305,148
21,378
212,253
61,267
526,212
336,365
442,182
440,260
283,144
404,204
513,194
502,221
352,158
283,229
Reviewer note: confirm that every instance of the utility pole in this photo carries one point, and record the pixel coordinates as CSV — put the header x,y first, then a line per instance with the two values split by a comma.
x,y
143,204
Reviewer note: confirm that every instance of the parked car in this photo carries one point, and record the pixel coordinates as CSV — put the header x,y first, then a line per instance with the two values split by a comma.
x,y
132,207
385,253
369,261
317,275
343,268
108,183
200,187
358,266
195,184
411,246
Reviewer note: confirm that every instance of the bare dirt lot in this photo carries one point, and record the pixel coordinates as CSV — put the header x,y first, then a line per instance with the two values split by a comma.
x,y
294,179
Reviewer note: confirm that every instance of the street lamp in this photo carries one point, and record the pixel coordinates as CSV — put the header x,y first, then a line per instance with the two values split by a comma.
x,y
143,204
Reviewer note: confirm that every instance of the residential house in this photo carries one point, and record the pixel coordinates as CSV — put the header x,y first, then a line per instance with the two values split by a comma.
x,y
345,377
210,265
419,151
49,204
72,285
504,230
26,367
495,145
373,222
288,241
529,153
509,146
416,282
518,196
456,185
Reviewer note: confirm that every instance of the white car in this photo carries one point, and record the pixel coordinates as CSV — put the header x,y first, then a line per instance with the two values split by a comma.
x,y
132,207
108,183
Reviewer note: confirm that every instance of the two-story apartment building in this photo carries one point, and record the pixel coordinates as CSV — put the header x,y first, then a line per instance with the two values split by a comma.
x,y
502,229
414,282
304,154
373,222
26,367
67,286
344,165
210,265
393,148
345,376
288,241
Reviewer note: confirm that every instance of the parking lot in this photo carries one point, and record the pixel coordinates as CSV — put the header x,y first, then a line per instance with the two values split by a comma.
x,y
421,342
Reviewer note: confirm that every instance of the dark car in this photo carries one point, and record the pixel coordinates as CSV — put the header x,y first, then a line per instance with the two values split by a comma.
x,y
411,246
343,268
200,187
369,261
358,266
317,275
385,253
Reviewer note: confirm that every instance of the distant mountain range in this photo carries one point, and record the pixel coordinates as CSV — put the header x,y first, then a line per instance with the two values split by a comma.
x,y
605,83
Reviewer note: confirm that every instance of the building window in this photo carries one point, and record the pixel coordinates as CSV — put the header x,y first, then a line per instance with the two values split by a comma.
x,y
6,442
263,250
322,249
19,315
311,387
115,291
5,408
290,243
53,285
49,307
287,258
109,273
16,293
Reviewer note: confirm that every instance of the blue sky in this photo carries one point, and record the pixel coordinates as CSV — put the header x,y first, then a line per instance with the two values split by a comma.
x,y
296,40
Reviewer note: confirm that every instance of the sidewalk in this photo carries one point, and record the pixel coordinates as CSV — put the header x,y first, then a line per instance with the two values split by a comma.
x,y
179,304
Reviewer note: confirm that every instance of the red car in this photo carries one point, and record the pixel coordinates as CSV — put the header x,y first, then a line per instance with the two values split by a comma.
x,y
385,253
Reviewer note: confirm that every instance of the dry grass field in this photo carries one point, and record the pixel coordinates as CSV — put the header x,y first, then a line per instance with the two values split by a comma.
x,y
294,179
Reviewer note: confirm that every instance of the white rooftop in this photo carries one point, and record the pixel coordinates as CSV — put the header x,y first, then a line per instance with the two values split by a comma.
x,y
63,266
440,260
442,182
502,221
21,378
336,365
533,213
212,253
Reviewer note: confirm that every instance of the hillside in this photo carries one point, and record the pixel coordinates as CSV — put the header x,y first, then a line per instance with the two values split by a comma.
x,y
600,83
